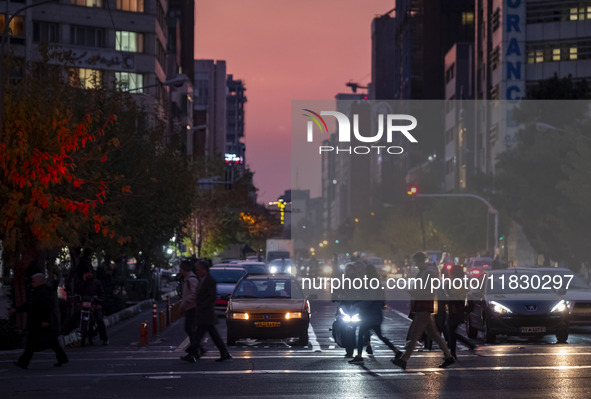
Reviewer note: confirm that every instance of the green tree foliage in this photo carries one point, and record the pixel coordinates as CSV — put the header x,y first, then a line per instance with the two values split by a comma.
x,y
543,181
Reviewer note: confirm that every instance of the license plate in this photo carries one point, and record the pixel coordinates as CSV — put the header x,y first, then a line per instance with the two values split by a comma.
x,y
533,329
267,324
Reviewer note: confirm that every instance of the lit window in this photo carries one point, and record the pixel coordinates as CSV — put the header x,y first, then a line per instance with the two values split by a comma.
x,y
573,53
131,5
531,59
17,25
574,14
539,56
87,3
129,81
467,18
86,78
556,54
130,41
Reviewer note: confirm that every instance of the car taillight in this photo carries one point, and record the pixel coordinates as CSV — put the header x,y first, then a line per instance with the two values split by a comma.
x,y
484,265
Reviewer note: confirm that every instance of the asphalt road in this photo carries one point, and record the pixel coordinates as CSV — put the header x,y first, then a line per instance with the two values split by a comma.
x,y
513,368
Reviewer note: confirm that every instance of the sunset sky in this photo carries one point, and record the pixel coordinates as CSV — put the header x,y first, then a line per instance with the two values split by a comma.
x,y
285,50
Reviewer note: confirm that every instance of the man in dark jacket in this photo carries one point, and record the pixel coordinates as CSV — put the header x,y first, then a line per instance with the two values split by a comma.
x,y
205,317
42,323
422,307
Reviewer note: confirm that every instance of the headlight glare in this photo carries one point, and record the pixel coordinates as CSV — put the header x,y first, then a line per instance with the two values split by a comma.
x,y
560,307
498,308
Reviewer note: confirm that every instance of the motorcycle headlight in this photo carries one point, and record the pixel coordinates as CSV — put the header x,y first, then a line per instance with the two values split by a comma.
x,y
560,307
498,308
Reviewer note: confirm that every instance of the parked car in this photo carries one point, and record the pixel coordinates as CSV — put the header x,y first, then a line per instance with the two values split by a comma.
x,y
226,278
578,293
478,266
502,309
268,306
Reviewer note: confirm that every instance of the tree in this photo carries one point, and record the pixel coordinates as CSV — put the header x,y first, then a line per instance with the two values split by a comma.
x,y
541,181
46,146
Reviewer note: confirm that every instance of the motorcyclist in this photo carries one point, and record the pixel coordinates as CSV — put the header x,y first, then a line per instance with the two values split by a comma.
x,y
91,287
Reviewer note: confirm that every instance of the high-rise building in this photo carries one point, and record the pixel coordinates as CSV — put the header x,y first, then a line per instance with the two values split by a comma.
x,y
210,105
518,44
235,149
118,42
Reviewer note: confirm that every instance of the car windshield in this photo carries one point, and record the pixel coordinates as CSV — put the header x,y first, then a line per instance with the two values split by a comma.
x,y
227,276
576,283
267,288
255,268
515,283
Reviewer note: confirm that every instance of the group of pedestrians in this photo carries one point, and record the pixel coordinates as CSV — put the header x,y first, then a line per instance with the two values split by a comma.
x,y
198,305
422,313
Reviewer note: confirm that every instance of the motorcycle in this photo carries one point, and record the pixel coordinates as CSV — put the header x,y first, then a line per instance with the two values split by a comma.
x,y
88,328
344,326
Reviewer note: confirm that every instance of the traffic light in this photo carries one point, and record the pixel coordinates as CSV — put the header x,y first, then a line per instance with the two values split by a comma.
x,y
412,191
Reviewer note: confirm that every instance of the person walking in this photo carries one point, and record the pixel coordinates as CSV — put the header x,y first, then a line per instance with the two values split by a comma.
x,y
42,323
423,310
455,313
205,317
371,314
188,303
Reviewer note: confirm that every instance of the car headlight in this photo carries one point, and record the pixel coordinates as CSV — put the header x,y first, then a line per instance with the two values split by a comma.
x,y
293,315
273,269
498,308
239,316
327,269
560,307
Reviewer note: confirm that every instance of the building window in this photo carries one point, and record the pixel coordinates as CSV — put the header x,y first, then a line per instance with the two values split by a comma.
x,y
131,5
573,53
17,25
556,54
45,32
449,74
494,93
130,41
88,37
87,3
129,81
86,78
467,18
494,58
496,20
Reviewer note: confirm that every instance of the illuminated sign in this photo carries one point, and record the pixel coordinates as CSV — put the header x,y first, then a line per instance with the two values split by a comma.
x,y
234,158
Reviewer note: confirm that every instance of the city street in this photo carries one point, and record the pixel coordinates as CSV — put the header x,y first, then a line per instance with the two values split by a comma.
x,y
511,368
